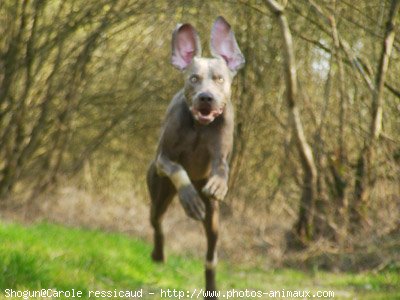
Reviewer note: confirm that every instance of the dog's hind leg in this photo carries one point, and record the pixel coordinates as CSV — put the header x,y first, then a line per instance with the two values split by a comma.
x,y
161,193
211,228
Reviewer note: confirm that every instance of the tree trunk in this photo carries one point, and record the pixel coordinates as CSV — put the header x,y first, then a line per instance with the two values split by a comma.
x,y
366,157
304,224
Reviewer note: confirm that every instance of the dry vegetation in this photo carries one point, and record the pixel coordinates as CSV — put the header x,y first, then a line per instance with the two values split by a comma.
x,y
84,86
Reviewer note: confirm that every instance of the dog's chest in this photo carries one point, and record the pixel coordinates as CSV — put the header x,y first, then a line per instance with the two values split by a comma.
x,y
195,154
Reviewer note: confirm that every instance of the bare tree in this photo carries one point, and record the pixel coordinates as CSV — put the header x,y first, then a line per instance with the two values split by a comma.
x,y
365,162
304,225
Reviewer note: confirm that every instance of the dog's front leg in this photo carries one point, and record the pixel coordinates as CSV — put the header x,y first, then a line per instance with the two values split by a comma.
x,y
217,184
188,196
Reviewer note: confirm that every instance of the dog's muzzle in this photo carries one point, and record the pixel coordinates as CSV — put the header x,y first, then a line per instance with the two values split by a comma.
x,y
205,109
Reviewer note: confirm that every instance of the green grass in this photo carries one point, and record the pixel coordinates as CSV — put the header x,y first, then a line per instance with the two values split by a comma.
x,y
52,256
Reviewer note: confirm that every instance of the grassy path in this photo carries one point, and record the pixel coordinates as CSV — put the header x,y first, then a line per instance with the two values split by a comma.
x,y
46,256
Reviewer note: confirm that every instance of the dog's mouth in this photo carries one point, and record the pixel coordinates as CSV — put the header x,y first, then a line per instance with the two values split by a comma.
x,y
205,115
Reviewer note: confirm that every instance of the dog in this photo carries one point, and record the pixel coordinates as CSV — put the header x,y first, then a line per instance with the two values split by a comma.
x,y
197,136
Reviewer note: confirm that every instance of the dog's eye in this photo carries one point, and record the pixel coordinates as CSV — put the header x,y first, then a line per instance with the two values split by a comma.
x,y
194,79
219,79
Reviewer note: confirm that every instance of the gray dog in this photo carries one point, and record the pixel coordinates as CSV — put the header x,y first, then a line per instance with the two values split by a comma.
x,y
197,136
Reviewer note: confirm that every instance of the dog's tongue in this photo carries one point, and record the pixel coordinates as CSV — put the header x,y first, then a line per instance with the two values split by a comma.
x,y
206,115
205,111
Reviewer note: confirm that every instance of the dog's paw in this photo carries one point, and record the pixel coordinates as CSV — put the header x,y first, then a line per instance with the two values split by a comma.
x,y
192,203
216,187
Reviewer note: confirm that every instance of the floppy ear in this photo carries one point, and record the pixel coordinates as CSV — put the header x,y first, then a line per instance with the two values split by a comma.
x,y
223,43
185,45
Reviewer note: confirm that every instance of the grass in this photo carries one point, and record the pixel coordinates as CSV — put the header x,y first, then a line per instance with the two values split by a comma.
x,y
52,256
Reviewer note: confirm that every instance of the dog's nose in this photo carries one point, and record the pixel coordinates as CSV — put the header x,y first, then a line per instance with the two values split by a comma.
x,y
205,97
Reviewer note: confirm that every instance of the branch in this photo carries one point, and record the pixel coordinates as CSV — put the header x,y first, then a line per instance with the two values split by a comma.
x,y
352,59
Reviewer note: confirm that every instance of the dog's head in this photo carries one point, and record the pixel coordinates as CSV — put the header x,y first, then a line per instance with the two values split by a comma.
x,y
207,80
